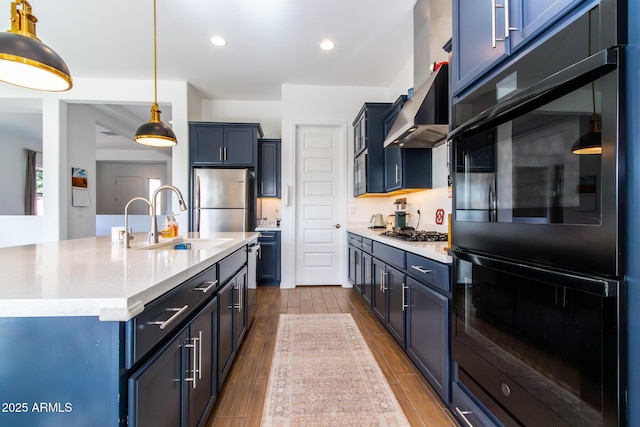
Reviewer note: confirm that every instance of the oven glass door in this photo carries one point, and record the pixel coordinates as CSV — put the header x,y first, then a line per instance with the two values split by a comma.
x,y
542,344
525,170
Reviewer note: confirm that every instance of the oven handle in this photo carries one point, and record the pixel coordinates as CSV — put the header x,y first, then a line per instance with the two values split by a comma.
x,y
595,285
543,92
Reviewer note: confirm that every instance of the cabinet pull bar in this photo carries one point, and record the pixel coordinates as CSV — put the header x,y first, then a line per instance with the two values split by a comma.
x,y
205,289
404,288
193,379
384,281
397,179
200,355
178,312
225,154
493,24
463,416
220,154
420,269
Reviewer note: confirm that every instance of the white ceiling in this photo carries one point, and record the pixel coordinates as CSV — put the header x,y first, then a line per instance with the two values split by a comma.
x,y
270,42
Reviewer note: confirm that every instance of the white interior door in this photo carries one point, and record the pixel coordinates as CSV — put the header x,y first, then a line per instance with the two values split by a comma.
x,y
319,200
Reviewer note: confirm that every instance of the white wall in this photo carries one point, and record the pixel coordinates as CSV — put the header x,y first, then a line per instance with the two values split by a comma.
x,y
58,155
267,113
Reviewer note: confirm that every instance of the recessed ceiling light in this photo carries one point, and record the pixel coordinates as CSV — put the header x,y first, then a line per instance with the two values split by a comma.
x,y
218,41
327,45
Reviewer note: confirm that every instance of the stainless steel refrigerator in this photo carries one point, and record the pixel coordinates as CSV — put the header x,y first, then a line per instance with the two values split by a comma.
x,y
221,200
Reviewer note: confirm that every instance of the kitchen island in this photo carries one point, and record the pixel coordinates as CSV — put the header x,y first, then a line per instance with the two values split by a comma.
x,y
95,334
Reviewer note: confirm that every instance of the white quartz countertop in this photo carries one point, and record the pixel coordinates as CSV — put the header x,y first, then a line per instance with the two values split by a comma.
x,y
90,277
433,250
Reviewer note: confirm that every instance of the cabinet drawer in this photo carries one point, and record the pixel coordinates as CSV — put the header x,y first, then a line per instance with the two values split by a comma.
x,y
168,312
367,245
465,409
229,266
268,236
354,240
427,270
389,254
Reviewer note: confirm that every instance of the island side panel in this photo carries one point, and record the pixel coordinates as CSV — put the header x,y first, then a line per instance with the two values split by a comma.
x,y
59,371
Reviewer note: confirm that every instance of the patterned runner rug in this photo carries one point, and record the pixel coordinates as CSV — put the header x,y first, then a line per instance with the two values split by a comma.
x,y
323,374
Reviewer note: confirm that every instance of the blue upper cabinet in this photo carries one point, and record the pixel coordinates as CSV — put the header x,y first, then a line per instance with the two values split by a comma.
x,y
475,47
482,37
224,144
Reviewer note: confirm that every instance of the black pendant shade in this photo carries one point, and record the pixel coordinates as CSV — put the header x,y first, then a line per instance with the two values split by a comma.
x,y
155,133
26,61
591,142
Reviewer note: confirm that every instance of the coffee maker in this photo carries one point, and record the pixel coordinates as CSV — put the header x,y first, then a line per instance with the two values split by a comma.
x,y
401,213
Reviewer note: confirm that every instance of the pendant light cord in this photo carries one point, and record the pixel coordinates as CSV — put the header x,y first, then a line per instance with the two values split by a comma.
x,y
155,56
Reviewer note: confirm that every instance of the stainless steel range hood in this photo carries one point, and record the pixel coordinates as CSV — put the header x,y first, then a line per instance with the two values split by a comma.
x,y
424,119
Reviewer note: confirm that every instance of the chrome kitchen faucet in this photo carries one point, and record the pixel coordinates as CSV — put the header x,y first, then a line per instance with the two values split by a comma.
x,y
153,235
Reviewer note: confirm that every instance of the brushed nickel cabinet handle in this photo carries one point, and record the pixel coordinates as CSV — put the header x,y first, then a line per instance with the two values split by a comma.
x,y
178,312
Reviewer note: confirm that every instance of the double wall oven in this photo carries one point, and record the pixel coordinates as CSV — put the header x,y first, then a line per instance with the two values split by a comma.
x,y
539,295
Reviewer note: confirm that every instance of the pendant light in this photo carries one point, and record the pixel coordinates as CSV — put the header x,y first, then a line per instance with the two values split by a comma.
x,y
155,133
591,142
26,61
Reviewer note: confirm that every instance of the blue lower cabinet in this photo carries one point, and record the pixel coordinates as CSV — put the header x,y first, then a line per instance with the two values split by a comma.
x,y
226,337
395,289
367,278
411,296
269,263
232,322
428,325
156,389
466,411
379,304
176,386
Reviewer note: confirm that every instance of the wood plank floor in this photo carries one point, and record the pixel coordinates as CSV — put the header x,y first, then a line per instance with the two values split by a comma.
x,y
242,397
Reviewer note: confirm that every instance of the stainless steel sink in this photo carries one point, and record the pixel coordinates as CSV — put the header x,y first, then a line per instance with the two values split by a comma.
x,y
183,244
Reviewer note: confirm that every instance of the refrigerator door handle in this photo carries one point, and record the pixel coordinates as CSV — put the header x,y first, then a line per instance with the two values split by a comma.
x,y
196,209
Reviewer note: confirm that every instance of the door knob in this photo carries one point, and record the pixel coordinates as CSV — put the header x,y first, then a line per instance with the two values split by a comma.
x,y
337,226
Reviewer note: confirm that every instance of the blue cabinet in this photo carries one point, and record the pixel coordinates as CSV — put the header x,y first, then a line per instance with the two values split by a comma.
x,y
156,389
224,144
240,318
428,335
176,386
226,338
367,278
485,32
396,304
269,263
232,313
368,148
467,411
404,168
389,289
361,267
269,168
411,296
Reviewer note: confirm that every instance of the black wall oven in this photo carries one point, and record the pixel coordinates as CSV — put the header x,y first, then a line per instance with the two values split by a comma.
x,y
539,295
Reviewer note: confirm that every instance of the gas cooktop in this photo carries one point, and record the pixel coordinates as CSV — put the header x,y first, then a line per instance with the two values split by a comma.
x,y
411,235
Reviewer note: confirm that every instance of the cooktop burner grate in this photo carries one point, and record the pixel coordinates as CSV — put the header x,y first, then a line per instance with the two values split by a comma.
x,y
411,235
